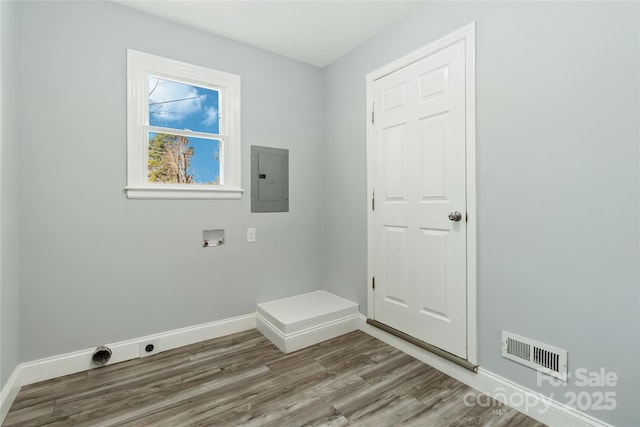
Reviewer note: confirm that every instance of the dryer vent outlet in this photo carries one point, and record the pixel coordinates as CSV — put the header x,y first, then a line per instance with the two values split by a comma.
x,y
101,356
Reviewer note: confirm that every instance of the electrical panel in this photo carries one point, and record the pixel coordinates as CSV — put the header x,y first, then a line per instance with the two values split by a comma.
x,y
269,179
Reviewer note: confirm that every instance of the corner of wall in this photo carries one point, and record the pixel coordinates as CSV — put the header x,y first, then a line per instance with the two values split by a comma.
x,y
9,261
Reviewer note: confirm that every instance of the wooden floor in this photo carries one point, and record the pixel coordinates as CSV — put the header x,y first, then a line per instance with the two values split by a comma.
x,y
243,379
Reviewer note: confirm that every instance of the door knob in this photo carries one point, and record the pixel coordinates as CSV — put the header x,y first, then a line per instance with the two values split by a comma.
x,y
455,216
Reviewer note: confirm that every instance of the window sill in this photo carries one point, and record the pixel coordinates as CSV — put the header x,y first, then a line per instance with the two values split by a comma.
x,y
194,193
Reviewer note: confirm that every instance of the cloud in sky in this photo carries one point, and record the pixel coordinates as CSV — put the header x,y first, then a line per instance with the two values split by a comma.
x,y
183,106
173,101
211,116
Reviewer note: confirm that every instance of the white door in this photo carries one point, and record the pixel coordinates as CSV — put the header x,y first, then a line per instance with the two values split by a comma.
x,y
419,181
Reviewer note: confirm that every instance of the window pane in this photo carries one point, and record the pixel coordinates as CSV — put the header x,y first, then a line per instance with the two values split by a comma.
x,y
185,160
182,106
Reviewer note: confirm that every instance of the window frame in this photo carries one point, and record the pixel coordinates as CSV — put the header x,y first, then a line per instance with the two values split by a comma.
x,y
140,66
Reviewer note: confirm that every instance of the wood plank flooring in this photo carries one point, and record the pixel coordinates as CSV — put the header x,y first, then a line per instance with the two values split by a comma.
x,y
243,379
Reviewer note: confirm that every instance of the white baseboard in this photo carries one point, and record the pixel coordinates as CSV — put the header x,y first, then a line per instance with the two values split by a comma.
x,y
78,361
291,342
9,393
57,366
533,404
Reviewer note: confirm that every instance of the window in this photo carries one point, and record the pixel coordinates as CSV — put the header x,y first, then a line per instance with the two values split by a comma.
x,y
183,137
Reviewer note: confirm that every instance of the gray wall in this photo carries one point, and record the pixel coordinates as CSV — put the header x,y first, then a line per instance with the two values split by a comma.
x,y
97,267
557,104
557,141
9,201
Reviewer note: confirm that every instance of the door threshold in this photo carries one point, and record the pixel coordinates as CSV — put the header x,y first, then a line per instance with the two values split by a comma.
x,y
426,346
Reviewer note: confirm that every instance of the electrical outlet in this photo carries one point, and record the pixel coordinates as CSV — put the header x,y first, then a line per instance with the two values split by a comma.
x,y
149,348
251,235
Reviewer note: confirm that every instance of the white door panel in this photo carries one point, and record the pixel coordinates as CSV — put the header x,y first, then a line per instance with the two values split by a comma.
x,y
419,254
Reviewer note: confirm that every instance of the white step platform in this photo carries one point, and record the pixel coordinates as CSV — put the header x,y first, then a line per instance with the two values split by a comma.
x,y
303,320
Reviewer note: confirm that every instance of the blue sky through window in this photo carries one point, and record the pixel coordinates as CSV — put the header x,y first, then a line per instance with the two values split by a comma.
x,y
205,168
182,106
187,107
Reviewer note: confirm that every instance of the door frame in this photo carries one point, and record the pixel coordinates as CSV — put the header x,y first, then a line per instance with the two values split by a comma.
x,y
466,34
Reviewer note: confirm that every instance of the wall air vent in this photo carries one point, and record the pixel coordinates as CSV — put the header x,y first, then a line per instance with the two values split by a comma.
x,y
545,358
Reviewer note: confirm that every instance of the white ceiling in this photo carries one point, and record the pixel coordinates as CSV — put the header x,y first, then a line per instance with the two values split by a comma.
x,y
316,32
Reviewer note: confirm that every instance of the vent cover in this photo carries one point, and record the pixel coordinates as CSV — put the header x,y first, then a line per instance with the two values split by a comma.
x,y
545,358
